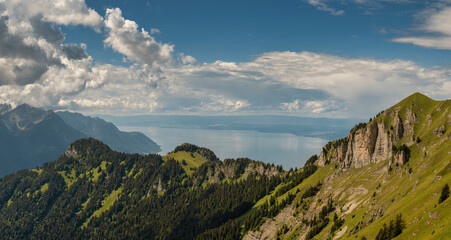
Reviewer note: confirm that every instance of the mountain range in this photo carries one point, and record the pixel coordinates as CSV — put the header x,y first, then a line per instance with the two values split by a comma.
x,y
387,179
107,132
31,136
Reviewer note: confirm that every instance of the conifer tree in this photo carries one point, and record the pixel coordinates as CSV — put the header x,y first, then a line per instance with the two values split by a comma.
x,y
445,193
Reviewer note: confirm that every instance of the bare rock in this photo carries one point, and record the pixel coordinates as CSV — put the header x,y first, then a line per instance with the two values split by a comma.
x,y
439,131
383,149
408,124
71,151
398,129
400,158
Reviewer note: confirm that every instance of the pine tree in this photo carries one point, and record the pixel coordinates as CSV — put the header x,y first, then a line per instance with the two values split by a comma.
x,y
399,225
445,193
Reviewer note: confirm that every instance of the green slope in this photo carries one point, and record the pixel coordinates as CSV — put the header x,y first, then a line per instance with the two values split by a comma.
x,y
189,161
370,196
92,192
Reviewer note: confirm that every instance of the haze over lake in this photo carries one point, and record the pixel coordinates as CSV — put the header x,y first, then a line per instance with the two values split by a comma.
x,y
283,149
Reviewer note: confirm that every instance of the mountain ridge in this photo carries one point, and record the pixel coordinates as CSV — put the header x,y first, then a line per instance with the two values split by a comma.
x,y
89,184
30,136
369,183
375,141
128,142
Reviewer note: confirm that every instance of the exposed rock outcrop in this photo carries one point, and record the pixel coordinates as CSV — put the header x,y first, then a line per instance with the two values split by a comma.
x,y
400,158
440,130
371,142
71,151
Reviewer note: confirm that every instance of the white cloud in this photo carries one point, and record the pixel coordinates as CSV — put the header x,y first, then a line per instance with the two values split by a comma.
x,y
438,25
278,82
367,6
322,6
31,48
225,105
36,68
315,107
124,37
155,31
291,106
304,83
186,59
58,11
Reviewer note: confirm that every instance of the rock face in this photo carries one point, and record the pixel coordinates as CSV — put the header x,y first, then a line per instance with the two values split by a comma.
x,y
371,142
400,158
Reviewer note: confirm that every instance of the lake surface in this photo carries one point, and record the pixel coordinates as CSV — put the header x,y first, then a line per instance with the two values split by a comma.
x,y
283,149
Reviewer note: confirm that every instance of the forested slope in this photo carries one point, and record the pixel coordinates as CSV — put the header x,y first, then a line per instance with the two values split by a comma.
x,y
94,192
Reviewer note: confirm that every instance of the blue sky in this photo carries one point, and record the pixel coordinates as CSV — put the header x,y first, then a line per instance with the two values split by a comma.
x,y
320,58
239,30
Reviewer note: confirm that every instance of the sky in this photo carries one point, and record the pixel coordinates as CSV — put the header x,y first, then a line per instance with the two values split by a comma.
x,y
315,58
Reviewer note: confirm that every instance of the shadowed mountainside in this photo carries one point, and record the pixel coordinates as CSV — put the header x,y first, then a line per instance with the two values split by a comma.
x,y
30,136
128,142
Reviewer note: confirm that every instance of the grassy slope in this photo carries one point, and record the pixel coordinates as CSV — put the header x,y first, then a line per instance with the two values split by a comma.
x,y
193,160
415,194
360,193
106,204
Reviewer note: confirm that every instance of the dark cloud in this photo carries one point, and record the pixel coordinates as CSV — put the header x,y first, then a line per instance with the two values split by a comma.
x,y
12,46
73,51
26,64
47,30
29,74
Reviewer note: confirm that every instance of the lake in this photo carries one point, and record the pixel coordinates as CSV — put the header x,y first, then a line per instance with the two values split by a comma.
x,y
283,149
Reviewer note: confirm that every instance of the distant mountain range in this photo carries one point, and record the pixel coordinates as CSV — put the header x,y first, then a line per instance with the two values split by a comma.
x,y
31,136
128,142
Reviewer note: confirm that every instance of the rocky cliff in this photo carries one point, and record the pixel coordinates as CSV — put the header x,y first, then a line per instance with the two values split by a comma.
x,y
379,139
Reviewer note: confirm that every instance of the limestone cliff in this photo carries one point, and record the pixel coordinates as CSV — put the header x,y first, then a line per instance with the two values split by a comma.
x,y
374,141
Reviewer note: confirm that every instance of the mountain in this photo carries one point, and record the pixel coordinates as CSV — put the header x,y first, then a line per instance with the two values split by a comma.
x,y
389,178
385,178
94,192
30,136
128,142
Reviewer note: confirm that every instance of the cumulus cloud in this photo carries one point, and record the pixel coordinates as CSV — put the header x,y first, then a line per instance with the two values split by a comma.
x,y
31,42
23,62
125,37
73,51
438,27
35,67
303,83
46,30
58,11
186,59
